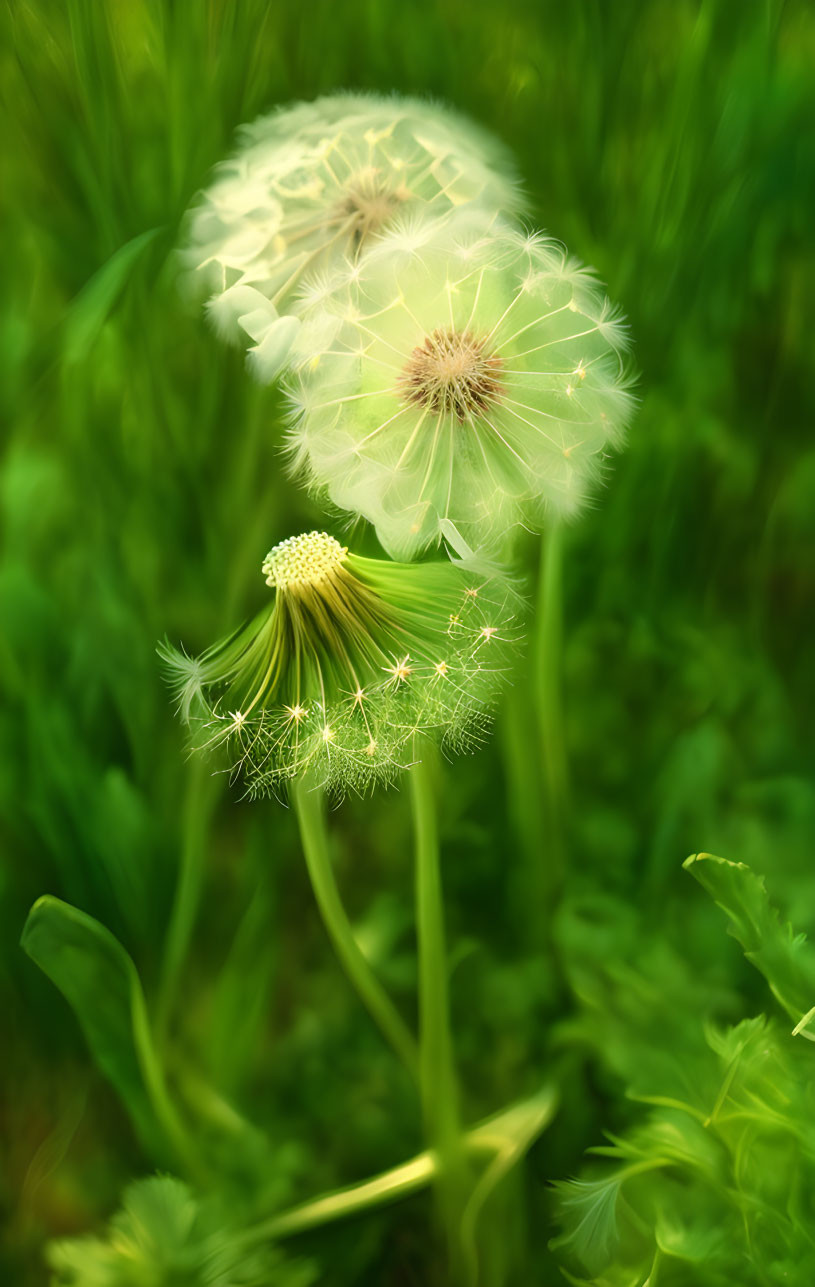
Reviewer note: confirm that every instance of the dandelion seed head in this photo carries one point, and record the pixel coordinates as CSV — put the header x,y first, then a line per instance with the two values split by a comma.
x,y
459,393
313,185
350,660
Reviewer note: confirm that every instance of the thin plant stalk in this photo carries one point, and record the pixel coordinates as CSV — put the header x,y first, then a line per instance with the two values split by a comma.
x,y
152,1070
548,653
437,1076
309,808
199,803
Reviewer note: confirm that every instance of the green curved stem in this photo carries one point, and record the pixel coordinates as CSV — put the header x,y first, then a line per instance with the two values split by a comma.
x,y
309,808
152,1071
506,1135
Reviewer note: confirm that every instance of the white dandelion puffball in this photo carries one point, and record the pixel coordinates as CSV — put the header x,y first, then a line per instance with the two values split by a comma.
x,y
455,382
315,182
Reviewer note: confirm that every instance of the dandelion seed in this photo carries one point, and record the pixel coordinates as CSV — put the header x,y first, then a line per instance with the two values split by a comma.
x,y
338,672
400,671
490,386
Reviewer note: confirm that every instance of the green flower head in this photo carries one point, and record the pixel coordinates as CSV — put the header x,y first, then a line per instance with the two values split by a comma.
x,y
461,378
316,182
350,662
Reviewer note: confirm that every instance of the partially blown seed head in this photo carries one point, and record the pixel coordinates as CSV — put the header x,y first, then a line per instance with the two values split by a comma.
x,y
350,661
461,378
313,183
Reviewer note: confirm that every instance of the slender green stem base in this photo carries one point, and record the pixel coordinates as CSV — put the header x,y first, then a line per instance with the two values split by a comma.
x,y
502,1140
437,1077
309,808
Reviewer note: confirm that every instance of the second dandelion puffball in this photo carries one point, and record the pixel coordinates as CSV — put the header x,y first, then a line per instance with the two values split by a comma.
x,y
314,183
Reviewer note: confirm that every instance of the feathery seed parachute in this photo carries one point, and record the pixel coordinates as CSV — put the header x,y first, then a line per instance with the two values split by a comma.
x,y
461,378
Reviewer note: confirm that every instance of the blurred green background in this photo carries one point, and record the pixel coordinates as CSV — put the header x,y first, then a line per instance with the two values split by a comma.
x,y
671,145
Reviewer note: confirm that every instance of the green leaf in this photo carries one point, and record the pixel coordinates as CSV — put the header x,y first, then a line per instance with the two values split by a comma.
x,y
90,310
589,1209
100,983
164,1236
786,959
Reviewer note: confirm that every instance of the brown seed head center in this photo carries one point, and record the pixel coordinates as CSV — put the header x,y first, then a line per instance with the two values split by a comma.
x,y
453,373
369,204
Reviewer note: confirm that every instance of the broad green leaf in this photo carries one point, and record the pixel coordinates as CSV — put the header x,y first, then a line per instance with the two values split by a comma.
x,y
99,980
786,959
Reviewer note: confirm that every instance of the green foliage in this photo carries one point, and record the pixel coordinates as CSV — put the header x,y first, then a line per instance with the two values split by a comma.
x,y
670,145
164,1237
717,1183
786,959
99,980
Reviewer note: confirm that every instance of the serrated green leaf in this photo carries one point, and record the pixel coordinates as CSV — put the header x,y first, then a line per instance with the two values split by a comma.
x,y
786,959
589,1207
100,982
164,1236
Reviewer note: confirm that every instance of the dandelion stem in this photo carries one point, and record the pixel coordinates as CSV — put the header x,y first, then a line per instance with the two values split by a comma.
x,y
309,809
201,795
547,659
437,1076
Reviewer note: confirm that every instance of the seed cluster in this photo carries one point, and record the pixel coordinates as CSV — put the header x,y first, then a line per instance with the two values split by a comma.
x,y
302,560
453,373
339,680
368,203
